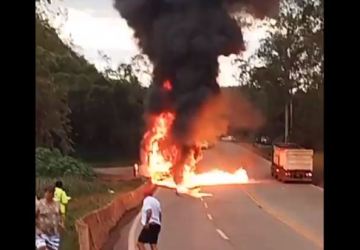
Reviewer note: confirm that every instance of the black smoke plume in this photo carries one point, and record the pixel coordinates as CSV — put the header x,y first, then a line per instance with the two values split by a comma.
x,y
183,39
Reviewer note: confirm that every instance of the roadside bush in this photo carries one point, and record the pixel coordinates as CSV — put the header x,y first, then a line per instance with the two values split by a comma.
x,y
51,163
79,187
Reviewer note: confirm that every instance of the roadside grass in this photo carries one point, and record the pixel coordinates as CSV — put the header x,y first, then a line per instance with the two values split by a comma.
x,y
111,163
87,195
108,159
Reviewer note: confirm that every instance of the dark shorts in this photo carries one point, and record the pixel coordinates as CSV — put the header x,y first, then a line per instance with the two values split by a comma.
x,y
150,235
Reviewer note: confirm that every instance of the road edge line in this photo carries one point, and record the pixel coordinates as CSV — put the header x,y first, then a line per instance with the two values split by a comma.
x,y
317,187
131,238
222,234
205,205
253,153
135,223
294,226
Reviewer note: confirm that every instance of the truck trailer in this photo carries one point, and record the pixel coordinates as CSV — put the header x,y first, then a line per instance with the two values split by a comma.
x,y
292,163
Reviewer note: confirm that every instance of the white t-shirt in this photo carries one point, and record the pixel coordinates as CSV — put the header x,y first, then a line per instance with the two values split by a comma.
x,y
153,204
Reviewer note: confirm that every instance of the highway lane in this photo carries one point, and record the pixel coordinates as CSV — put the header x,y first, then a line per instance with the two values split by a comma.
x,y
268,215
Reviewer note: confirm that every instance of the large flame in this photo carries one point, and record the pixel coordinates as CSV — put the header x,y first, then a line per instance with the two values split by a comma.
x,y
159,156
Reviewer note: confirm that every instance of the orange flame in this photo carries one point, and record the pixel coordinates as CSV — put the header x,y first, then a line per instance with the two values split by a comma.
x,y
167,85
158,157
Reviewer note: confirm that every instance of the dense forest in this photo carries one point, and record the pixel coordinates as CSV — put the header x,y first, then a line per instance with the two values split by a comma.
x,y
79,110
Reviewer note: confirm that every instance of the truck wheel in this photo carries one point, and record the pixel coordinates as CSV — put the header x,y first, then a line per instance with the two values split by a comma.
x,y
272,170
281,179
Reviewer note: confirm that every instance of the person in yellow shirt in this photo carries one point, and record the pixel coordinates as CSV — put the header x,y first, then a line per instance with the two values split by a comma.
x,y
61,197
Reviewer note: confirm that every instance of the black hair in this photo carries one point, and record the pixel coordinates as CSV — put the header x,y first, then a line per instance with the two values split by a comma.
x,y
59,184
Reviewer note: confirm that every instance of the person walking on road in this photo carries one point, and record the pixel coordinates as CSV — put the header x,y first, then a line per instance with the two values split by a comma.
x,y
151,222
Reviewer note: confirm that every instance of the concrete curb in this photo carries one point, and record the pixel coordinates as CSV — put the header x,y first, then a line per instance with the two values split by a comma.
x,y
94,228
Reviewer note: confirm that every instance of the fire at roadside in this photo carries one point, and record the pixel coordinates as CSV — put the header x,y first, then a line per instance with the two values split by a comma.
x,y
159,156
183,39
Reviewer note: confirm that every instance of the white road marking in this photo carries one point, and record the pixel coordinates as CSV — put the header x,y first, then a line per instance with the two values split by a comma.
x,y
267,162
134,225
209,216
222,234
205,205
131,239
317,187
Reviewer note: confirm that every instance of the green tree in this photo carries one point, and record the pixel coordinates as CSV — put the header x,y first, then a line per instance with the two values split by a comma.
x,y
289,60
52,122
81,108
292,55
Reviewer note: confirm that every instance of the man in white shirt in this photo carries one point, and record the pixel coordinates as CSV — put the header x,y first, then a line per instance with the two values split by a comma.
x,y
151,221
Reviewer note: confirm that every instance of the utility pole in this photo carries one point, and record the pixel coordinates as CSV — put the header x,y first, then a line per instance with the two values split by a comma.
x,y
286,138
288,117
291,117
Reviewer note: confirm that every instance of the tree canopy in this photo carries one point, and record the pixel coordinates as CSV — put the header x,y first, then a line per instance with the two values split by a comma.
x,y
79,109
288,66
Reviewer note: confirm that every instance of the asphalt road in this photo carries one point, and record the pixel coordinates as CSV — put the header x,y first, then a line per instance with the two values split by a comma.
x,y
267,215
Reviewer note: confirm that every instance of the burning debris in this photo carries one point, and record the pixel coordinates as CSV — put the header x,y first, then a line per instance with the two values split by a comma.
x,y
183,39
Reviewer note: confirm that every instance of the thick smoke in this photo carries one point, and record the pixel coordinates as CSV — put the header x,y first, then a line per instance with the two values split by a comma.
x,y
183,39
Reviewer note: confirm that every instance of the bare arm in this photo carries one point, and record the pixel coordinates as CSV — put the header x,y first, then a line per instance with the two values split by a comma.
x,y
64,198
160,217
148,217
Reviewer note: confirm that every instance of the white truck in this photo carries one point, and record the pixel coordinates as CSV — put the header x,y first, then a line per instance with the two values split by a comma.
x,y
291,162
